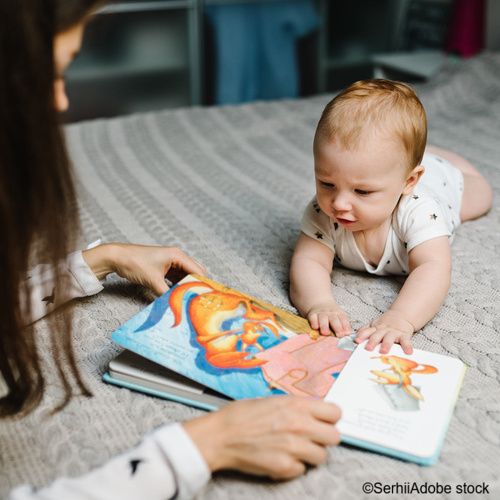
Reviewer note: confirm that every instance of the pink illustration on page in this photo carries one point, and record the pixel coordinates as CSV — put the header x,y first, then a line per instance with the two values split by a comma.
x,y
303,366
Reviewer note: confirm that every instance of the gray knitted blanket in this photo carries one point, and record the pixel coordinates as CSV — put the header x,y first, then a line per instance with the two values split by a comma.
x,y
228,185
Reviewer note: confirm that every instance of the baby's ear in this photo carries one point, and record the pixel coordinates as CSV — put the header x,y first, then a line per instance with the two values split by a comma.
x,y
413,178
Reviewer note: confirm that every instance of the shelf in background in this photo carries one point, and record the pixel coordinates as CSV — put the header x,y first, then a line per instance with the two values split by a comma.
x,y
109,97
421,64
122,69
134,6
347,62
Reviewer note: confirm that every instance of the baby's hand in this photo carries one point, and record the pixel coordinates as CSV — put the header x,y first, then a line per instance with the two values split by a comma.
x,y
388,329
328,315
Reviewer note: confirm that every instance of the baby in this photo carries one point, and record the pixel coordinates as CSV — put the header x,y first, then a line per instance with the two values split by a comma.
x,y
385,205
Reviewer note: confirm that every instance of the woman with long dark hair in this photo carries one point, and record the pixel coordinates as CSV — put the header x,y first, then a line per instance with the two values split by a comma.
x,y
40,270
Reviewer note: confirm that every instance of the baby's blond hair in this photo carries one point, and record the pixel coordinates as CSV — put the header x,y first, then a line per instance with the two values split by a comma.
x,y
376,106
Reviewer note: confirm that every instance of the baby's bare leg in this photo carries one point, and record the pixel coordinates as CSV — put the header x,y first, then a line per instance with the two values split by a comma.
x,y
478,195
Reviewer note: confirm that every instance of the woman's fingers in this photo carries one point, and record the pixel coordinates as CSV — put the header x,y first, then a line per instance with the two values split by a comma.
x,y
178,259
326,412
273,436
312,419
306,450
324,434
286,450
282,466
142,264
159,286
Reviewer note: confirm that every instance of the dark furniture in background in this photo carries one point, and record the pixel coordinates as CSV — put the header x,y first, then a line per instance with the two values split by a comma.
x,y
141,55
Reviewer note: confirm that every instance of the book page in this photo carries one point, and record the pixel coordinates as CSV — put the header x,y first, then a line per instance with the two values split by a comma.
x,y
235,344
403,402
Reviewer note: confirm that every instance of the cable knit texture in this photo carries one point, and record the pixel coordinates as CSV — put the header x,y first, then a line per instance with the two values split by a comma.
x,y
229,185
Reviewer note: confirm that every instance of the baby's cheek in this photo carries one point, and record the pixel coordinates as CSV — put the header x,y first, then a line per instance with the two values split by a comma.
x,y
323,202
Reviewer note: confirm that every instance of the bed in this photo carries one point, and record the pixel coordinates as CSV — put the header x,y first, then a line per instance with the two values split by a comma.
x,y
228,185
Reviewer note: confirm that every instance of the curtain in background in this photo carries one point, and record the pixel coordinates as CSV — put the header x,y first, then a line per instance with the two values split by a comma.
x,y
255,47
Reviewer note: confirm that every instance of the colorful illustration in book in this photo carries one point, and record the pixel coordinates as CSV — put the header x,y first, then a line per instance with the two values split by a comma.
x,y
234,343
231,328
303,366
397,383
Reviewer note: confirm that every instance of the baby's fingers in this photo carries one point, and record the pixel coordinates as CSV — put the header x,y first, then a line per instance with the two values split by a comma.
x,y
347,326
388,342
406,345
324,324
375,339
364,332
340,325
313,321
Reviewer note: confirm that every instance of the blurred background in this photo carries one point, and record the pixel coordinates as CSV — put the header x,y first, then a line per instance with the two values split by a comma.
x,y
141,55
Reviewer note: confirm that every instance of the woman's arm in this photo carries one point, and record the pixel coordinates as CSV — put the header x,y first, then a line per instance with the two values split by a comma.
x,y
142,264
165,465
81,271
276,437
77,280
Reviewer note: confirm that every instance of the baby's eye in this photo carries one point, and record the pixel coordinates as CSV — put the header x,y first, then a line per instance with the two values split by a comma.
x,y
326,185
362,192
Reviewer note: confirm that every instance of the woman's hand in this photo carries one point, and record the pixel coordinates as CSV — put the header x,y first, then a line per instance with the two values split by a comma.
x,y
275,436
142,264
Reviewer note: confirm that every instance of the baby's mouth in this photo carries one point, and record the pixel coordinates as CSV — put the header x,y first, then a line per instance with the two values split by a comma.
x,y
344,222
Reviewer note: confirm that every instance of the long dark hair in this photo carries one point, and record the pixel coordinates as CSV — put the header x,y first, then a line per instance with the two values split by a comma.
x,y
38,211
70,12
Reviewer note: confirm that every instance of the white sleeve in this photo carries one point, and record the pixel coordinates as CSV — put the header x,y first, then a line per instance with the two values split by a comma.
x,y
317,225
165,465
420,219
78,280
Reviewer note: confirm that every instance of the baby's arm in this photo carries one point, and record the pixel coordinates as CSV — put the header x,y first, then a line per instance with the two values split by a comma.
x,y
421,297
310,287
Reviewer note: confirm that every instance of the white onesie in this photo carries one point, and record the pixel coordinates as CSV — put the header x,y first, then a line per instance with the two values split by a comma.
x,y
430,211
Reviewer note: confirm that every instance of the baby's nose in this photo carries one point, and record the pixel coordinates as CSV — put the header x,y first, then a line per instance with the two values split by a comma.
x,y
341,202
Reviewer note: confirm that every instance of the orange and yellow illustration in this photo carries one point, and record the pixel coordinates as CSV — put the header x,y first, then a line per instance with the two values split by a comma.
x,y
234,343
400,372
230,327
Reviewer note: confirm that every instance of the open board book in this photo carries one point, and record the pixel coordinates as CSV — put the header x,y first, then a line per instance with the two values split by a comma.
x,y
203,344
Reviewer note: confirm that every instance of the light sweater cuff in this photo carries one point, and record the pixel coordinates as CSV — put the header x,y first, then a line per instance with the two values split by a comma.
x,y
82,274
191,470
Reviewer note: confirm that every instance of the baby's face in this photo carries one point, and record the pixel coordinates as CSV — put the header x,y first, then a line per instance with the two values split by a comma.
x,y
360,188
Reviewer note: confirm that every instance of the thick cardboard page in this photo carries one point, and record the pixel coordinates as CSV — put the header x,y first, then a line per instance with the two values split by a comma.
x,y
397,404
233,343
137,373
